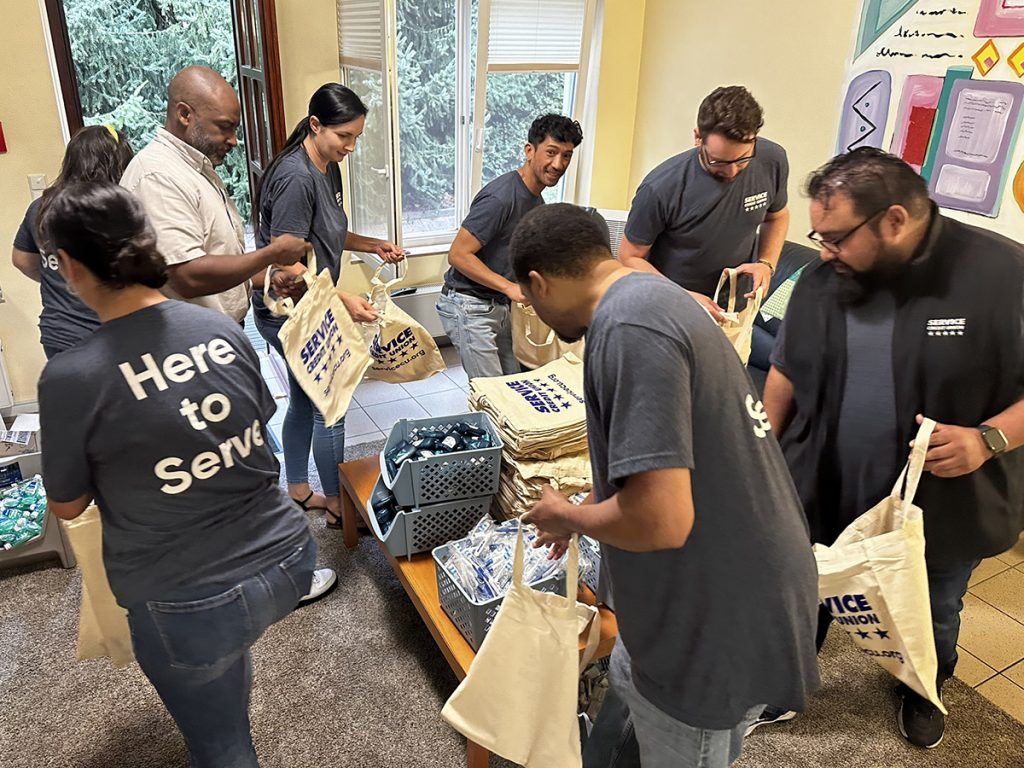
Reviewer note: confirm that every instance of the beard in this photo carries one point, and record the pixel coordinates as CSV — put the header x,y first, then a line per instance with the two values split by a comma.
x,y
200,140
856,288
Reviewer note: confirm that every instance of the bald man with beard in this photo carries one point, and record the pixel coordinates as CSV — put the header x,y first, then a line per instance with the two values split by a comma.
x,y
199,231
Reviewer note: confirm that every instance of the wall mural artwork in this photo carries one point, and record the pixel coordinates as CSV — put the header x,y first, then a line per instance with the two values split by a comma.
x,y
940,83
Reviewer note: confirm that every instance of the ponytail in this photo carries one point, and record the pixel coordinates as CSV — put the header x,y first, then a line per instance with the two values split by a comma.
x,y
331,104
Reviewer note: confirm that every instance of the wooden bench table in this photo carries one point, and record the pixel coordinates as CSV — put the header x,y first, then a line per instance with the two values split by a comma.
x,y
419,579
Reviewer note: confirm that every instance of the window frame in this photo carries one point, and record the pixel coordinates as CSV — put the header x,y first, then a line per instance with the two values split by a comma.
x,y
470,107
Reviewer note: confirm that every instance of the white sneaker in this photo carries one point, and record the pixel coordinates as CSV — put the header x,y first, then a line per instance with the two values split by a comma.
x,y
324,580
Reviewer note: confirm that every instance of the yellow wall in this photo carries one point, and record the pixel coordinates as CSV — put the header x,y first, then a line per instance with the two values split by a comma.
x,y
617,87
790,53
31,124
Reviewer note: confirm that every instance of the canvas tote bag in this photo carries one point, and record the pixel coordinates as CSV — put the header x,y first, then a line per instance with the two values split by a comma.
x,y
102,623
401,348
874,581
534,343
519,698
738,326
323,345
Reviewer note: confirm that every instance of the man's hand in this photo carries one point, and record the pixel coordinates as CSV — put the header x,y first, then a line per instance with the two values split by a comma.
x,y
390,252
515,293
955,451
289,249
287,285
761,274
552,516
359,309
713,309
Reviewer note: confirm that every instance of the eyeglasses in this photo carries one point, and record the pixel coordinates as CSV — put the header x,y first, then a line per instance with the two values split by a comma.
x,y
723,163
834,246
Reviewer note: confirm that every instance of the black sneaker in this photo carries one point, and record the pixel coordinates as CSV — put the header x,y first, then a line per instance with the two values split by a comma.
x,y
770,716
920,722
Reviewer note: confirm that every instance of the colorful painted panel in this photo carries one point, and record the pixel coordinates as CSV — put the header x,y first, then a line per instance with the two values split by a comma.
x,y
865,111
915,118
1000,18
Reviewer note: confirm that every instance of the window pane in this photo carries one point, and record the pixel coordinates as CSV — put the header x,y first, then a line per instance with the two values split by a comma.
x,y
426,86
514,101
125,54
370,190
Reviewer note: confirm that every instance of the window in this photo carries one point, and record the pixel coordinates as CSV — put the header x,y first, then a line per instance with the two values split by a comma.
x,y
116,57
432,138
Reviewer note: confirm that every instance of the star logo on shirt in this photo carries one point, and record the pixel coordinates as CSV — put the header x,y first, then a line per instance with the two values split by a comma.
x,y
882,634
862,634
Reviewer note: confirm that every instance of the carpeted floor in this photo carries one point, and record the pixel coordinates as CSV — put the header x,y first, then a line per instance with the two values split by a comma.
x,y
355,681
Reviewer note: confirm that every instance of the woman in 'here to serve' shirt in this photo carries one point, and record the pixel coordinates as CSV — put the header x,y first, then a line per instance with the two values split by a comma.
x,y
160,416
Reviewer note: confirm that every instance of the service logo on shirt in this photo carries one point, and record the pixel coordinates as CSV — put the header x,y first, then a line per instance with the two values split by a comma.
x,y
755,202
947,326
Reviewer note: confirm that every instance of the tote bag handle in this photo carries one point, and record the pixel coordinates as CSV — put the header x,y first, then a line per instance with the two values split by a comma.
x,y
284,307
732,277
906,486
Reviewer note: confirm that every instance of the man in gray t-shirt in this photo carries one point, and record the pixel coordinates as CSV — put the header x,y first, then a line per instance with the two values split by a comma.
x,y
719,205
713,578
474,306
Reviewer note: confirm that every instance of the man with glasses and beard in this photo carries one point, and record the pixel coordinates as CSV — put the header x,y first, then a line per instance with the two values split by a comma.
x,y
909,314
198,229
698,213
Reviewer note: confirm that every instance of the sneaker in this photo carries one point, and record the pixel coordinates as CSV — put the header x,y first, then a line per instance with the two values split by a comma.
x,y
324,580
770,716
920,722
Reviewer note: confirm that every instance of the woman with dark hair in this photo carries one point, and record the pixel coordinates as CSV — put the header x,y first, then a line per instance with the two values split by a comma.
x,y
159,415
95,153
301,195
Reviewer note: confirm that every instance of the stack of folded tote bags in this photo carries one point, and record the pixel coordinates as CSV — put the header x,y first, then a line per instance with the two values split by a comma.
x,y
542,421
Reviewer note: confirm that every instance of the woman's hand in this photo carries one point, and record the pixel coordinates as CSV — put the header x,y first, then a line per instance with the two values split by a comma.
x,y
359,309
390,252
287,284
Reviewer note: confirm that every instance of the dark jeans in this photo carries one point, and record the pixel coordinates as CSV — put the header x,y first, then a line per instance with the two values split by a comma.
x,y
947,586
195,652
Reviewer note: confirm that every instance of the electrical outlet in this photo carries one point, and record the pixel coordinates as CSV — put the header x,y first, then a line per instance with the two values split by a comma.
x,y
37,182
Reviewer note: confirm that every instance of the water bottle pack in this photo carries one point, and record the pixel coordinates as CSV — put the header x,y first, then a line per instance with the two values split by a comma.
x,y
22,512
433,441
481,563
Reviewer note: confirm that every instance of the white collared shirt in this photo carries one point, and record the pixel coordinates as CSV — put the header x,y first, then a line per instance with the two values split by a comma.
x,y
190,210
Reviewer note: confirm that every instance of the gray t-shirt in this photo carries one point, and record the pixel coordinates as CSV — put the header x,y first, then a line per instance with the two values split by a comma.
x,y
160,416
65,319
492,219
868,453
299,200
697,225
728,621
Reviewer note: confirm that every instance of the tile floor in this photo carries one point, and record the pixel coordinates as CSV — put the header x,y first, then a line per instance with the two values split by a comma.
x,y
992,633
377,405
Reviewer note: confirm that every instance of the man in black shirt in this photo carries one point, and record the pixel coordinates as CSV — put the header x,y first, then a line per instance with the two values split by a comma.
x,y
478,289
909,314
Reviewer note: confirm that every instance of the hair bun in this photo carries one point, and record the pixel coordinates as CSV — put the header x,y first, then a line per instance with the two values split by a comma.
x,y
139,262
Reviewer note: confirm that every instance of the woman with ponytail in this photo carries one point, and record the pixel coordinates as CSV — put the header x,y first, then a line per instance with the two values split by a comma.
x,y
301,195
95,153
159,415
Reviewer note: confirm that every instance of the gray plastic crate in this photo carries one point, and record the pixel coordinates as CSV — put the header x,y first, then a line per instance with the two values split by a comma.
x,y
593,576
472,618
420,529
445,477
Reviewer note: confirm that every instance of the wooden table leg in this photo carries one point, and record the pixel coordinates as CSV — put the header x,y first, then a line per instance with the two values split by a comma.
x,y
476,756
349,521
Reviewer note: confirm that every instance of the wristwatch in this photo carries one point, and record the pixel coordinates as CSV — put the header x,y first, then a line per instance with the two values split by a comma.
x,y
994,438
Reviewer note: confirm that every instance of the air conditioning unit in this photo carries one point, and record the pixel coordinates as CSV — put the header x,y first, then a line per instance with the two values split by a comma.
x,y
616,226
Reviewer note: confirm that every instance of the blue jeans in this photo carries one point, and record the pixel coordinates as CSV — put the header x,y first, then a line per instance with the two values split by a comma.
x,y
195,652
303,422
481,330
664,742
